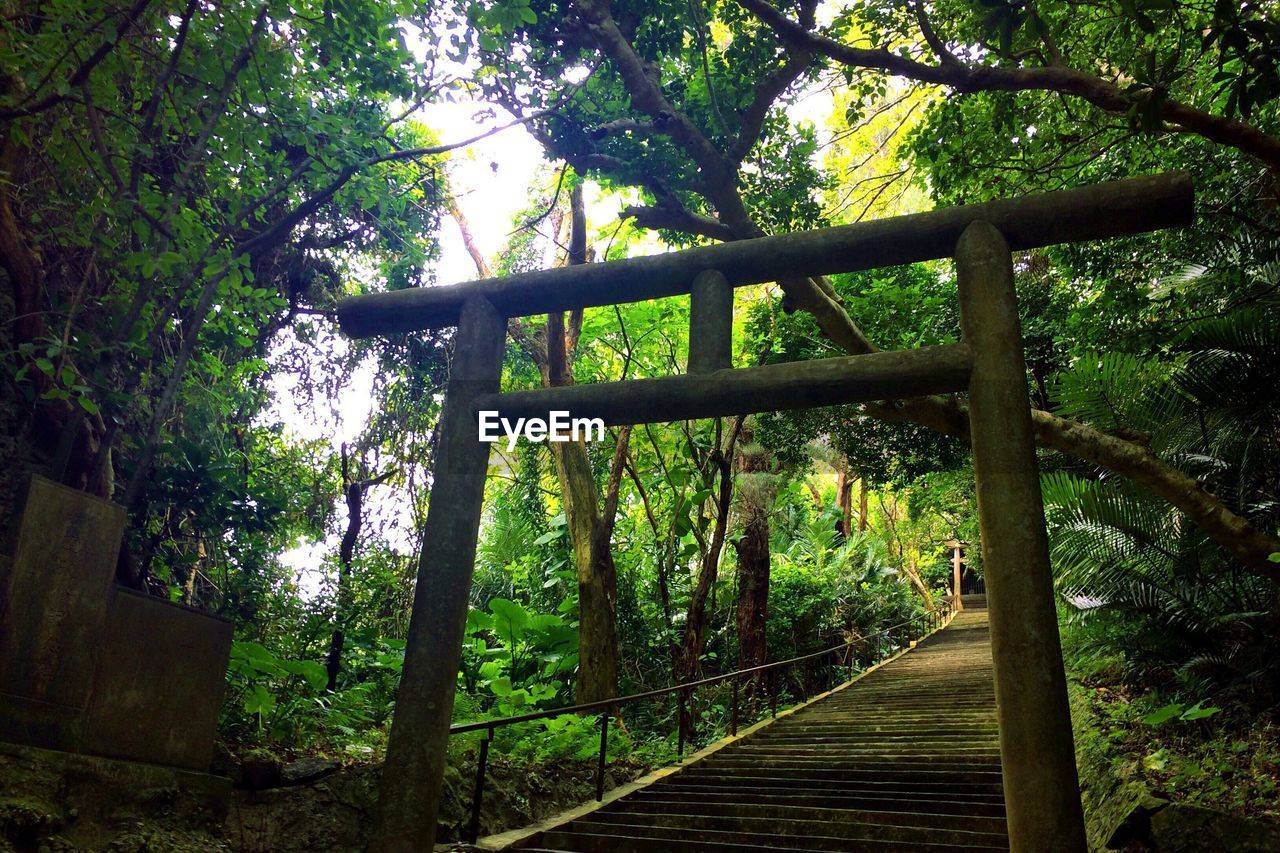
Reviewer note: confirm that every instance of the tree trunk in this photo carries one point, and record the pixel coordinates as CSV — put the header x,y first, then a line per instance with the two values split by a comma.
x,y
589,515
695,625
354,492
591,530
914,577
863,521
753,587
844,499
755,502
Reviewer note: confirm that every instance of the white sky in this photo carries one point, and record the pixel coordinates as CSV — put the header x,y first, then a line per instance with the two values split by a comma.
x,y
491,179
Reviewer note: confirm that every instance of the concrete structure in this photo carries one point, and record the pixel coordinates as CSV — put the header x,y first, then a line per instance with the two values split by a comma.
x,y
1035,733
91,668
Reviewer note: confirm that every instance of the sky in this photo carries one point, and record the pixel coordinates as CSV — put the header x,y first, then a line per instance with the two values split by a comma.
x,y
490,180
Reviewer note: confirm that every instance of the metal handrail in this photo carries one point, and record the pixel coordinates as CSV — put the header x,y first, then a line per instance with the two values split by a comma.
x,y
930,620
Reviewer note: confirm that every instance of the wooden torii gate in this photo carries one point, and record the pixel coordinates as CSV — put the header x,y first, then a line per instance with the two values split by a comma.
x,y
1041,789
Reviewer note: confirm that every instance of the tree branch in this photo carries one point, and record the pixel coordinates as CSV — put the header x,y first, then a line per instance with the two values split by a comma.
x,y
82,72
769,90
965,78
670,214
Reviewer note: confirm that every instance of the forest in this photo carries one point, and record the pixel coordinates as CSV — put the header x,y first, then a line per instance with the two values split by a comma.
x,y
188,189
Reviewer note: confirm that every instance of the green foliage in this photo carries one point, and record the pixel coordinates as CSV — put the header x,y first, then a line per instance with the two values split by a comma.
x,y
1178,711
527,664
824,589
1179,603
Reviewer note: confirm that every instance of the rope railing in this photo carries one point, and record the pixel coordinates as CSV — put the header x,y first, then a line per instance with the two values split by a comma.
x,y
925,622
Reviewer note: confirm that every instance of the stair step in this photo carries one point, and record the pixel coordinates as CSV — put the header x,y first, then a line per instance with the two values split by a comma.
x,y
906,758
888,792
784,813
933,803
715,842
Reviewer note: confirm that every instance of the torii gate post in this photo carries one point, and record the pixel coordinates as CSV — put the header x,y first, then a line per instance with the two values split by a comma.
x,y
419,743
1037,753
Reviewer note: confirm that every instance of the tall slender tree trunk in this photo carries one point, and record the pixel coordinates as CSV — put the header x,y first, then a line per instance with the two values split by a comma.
x,y
695,626
591,531
844,499
354,491
589,513
755,502
863,520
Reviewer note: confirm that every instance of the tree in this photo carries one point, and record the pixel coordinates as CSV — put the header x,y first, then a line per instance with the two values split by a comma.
x,y
662,101
354,491
591,512
181,184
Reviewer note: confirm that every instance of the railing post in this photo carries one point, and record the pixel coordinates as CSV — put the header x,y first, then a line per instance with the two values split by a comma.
x,y
773,697
733,713
417,750
1042,793
604,747
477,797
680,724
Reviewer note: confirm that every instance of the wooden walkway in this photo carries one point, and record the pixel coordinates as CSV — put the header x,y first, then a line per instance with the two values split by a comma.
x,y
905,758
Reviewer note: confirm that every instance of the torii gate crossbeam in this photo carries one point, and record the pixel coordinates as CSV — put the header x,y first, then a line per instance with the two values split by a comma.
x,y
1037,751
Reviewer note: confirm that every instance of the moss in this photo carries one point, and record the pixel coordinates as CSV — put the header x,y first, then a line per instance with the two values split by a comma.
x,y
1116,804
24,820
53,801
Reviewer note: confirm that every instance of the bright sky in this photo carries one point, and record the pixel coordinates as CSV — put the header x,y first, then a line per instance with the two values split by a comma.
x,y
490,180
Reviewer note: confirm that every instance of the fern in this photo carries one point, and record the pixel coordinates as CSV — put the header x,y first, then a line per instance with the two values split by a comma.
x,y
1119,553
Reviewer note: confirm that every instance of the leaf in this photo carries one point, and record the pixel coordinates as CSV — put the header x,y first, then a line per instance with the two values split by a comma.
x,y
510,619
549,536
1163,715
478,620
259,701
314,674
1157,760
1199,712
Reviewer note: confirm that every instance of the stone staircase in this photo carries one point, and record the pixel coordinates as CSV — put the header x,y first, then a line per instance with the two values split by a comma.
x,y
905,758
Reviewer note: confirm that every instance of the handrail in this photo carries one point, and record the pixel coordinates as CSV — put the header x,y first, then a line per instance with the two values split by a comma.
x,y
481,725
930,620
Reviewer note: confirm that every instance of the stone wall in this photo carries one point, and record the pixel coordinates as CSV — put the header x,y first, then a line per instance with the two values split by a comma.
x,y
88,667
1123,813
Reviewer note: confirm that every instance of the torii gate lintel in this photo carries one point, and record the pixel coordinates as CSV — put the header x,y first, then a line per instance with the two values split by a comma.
x,y
1036,744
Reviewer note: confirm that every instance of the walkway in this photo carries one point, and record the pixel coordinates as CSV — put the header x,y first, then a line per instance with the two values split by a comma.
x,y
905,758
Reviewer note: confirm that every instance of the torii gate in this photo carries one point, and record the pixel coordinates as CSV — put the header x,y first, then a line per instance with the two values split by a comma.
x,y
1036,748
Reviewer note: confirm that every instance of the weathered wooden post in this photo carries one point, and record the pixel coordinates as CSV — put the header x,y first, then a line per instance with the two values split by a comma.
x,y
416,752
956,568
1042,793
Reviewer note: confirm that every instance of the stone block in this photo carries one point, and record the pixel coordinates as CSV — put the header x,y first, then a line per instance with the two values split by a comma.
x,y
159,683
53,598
